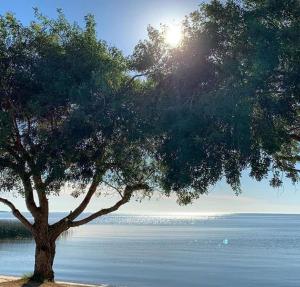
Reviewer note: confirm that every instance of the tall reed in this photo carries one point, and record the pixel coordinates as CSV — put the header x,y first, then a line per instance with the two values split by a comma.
x,y
13,229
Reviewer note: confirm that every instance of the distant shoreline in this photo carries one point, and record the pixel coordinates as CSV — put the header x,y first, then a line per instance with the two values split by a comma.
x,y
173,213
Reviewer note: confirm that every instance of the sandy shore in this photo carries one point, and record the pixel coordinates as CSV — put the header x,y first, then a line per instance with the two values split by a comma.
x,y
10,281
7,278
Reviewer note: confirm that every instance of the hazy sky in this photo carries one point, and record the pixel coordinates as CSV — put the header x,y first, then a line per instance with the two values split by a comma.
x,y
123,23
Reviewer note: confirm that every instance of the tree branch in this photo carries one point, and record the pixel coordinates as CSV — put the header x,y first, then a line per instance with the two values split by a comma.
x,y
17,213
74,214
125,198
40,188
26,157
86,200
131,81
20,171
136,76
29,199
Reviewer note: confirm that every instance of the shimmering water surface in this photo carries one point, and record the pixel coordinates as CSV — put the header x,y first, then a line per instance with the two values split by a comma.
x,y
237,250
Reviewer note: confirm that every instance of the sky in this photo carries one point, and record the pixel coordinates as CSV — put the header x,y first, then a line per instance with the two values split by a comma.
x,y
122,23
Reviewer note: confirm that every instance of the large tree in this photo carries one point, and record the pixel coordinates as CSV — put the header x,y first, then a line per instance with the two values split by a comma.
x,y
70,114
67,118
228,94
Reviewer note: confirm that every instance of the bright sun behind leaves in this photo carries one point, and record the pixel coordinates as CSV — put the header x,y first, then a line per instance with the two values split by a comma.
x,y
173,35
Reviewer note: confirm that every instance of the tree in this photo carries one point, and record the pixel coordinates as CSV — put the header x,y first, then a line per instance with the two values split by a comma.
x,y
67,118
229,94
71,114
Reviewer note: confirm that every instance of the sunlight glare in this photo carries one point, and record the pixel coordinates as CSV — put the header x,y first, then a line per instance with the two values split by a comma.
x,y
173,35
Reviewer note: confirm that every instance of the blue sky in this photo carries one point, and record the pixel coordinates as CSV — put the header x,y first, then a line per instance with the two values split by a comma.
x,y
123,23
120,22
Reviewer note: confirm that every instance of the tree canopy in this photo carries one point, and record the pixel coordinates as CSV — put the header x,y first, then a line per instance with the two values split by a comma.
x,y
229,94
224,100
74,111
66,106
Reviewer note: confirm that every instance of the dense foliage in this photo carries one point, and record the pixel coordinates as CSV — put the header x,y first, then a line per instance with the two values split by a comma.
x,y
66,107
228,96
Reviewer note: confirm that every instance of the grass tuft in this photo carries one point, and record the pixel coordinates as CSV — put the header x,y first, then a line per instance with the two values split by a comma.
x,y
27,276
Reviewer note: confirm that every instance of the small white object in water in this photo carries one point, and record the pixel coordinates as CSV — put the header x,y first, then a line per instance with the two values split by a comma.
x,y
225,241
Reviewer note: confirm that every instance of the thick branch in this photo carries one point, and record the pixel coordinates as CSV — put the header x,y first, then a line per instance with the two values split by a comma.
x,y
26,157
40,188
20,170
73,215
29,199
66,223
135,77
128,84
37,179
17,214
102,212
86,200
125,198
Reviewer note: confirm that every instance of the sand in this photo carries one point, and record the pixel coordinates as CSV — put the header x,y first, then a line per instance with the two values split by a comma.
x,y
9,281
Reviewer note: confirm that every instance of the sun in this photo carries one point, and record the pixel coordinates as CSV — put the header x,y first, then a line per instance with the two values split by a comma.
x,y
173,35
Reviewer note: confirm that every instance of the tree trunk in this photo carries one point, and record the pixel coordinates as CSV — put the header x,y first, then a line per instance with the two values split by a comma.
x,y
44,258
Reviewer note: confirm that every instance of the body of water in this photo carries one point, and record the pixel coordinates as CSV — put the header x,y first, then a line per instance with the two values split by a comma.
x,y
238,250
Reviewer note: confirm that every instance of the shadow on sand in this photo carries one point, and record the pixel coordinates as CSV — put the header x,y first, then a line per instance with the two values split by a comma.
x,y
31,283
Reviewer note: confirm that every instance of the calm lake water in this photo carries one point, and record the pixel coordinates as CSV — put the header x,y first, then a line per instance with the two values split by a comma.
x,y
237,250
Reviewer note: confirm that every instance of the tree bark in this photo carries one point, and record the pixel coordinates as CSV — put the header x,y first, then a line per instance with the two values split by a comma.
x,y
44,258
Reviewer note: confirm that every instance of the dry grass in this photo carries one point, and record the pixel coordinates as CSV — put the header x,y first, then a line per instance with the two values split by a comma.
x,y
27,283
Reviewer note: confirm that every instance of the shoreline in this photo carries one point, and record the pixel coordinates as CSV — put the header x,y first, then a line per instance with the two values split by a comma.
x,y
10,279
